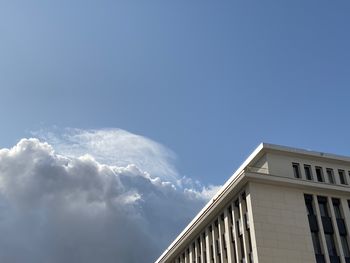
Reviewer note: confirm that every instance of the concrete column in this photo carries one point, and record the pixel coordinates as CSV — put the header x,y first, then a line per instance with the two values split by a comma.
x,y
207,244
228,237
221,239
251,222
236,231
191,252
245,237
203,248
214,234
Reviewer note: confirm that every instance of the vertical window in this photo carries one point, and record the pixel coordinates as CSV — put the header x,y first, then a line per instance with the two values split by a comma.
x,y
345,245
319,174
218,249
229,210
238,210
242,246
314,228
341,226
310,209
332,251
328,228
308,173
336,206
316,243
342,176
296,170
323,209
330,175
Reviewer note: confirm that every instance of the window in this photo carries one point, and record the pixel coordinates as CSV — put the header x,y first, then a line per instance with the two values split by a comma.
x,y
241,246
218,247
332,251
319,174
330,175
345,245
232,235
310,209
296,170
230,214
323,208
237,206
308,173
336,206
316,242
342,176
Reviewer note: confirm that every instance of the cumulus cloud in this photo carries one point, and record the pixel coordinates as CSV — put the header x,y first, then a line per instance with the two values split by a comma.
x,y
77,207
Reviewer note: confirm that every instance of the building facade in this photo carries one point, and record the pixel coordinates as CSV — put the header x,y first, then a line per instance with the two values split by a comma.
x,y
282,205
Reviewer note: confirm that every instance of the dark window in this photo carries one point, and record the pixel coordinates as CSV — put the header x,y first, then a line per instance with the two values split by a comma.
x,y
237,206
316,242
296,170
330,175
345,245
310,209
332,251
311,213
336,206
308,172
249,242
229,210
217,247
241,245
232,234
319,174
342,176
323,208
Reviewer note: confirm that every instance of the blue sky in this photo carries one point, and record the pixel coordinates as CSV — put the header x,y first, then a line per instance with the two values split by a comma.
x,y
167,98
209,80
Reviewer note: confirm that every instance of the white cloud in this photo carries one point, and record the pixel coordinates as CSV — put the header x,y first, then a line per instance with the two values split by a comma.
x,y
114,147
74,208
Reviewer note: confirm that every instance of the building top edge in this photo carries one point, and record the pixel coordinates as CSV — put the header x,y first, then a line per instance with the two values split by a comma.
x,y
293,150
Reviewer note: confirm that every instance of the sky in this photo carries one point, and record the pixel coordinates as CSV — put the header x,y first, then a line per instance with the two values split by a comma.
x,y
177,93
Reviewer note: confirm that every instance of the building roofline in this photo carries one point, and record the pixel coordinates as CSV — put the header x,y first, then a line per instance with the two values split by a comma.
x,y
312,153
261,149
211,201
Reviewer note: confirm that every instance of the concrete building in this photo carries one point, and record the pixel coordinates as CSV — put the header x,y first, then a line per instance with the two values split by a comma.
x,y
282,205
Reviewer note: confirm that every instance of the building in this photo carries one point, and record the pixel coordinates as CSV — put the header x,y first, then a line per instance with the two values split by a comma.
x,y
282,205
